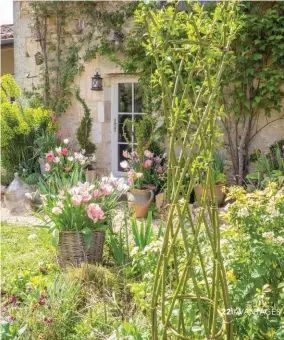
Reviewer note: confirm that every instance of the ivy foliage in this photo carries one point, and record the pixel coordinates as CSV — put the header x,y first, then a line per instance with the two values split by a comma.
x,y
257,74
71,34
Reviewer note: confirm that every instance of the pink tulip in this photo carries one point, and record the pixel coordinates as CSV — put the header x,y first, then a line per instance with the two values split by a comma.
x,y
157,160
64,151
139,174
148,154
160,170
95,212
97,193
56,211
77,199
131,173
47,167
86,197
50,156
130,180
107,189
148,163
67,169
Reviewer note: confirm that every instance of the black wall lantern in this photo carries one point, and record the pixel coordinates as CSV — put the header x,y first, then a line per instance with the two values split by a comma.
x,y
97,82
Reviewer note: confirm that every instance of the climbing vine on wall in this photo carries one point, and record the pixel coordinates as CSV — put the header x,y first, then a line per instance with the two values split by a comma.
x,y
253,85
70,34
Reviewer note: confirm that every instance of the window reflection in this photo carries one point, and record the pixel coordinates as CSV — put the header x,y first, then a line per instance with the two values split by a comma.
x,y
125,97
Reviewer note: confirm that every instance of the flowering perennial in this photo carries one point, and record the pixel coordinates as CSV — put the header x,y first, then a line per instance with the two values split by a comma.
x,y
84,207
151,171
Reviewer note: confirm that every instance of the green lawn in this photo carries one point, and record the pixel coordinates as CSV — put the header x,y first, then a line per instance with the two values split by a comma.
x,y
23,249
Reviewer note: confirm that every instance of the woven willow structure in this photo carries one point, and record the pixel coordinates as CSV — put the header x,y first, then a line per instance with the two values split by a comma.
x,y
191,49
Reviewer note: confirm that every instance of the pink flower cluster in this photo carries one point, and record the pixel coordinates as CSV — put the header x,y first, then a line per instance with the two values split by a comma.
x,y
132,175
151,164
92,194
64,158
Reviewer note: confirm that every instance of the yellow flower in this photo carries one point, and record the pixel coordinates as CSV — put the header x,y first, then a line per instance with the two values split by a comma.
x,y
231,276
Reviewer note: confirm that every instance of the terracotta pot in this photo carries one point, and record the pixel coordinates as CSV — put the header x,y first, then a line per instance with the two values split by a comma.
x,y
142,201
219,193
150,187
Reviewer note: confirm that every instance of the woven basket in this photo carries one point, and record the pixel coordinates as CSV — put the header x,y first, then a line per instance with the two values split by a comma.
x,y
73,250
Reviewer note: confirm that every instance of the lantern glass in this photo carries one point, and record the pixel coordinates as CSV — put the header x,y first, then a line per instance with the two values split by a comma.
x,y
97,82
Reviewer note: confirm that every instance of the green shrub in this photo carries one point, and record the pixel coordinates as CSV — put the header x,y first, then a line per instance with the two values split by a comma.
x,y
19,126
269,167
253,247
84,130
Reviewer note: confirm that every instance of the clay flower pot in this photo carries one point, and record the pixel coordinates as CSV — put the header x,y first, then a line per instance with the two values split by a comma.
x,y
142,201
220,195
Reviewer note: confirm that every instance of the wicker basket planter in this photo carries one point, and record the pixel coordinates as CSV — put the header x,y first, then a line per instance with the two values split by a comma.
x,y
73,250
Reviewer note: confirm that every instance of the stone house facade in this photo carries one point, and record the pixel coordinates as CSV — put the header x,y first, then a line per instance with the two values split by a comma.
x,y
118,100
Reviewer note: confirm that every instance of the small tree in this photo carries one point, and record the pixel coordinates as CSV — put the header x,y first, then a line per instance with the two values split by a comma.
x,y
85,128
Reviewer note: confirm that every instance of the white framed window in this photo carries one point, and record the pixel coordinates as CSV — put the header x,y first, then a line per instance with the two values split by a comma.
x,y
126,104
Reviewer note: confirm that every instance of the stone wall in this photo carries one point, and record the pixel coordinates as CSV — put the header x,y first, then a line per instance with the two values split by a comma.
x,y
100,103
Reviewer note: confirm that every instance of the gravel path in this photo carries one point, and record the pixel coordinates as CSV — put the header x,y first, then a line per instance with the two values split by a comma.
x,y
27,219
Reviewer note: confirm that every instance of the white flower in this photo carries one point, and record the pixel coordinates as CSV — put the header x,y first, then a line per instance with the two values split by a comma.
x,y
66,141
28,196
58,150
56,210
269,235
56,160
60,205
70,158
243,212
82,162
83,151
124,165
74,191
279,239
134,251
32,236
274,212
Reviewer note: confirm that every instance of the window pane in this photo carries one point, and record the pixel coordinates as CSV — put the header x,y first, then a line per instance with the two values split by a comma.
x,y
137,118
137,99
125,97
127,128
121,148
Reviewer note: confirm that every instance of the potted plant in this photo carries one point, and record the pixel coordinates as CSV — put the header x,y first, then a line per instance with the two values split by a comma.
x,y
78,218
219,178
143,177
